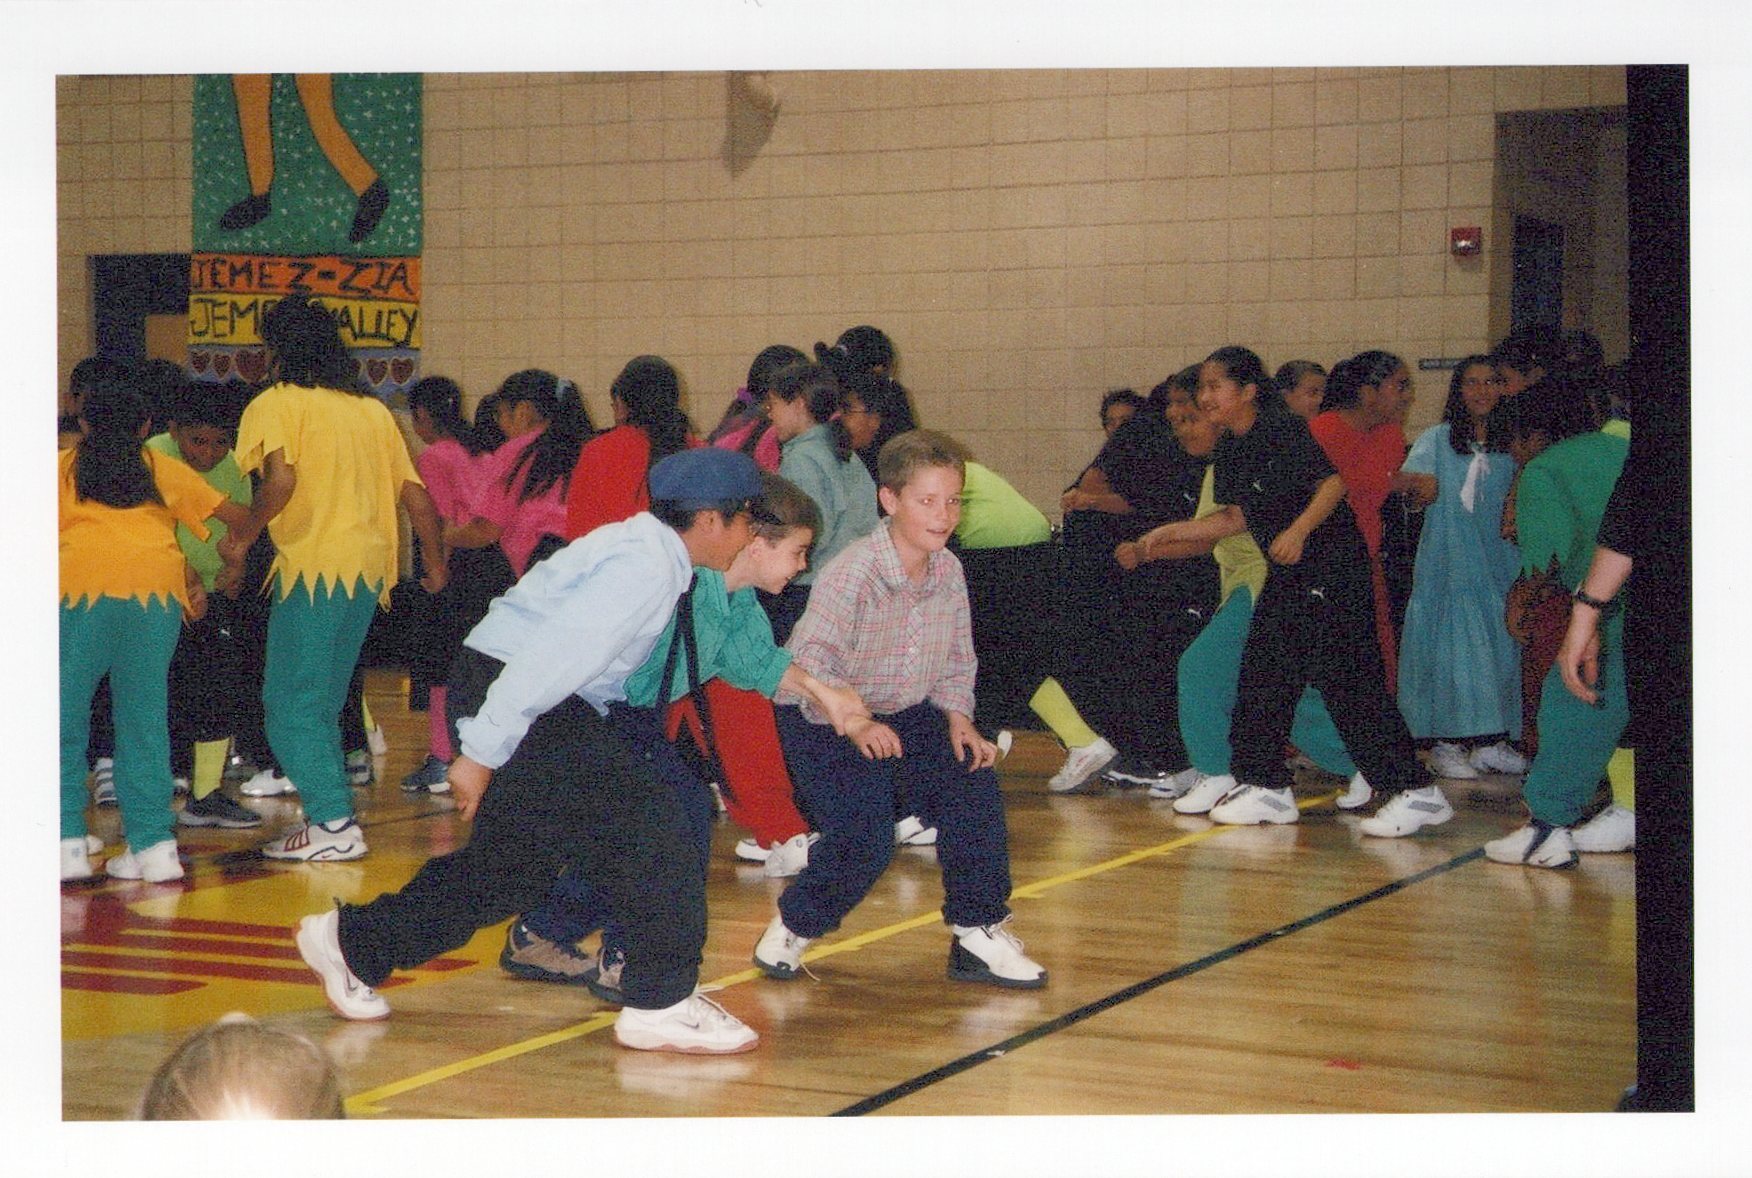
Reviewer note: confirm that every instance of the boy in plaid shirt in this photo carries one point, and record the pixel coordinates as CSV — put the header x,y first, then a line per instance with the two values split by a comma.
x,y
889,618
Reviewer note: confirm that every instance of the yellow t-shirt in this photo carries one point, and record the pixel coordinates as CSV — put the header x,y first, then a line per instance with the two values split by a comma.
x,y
1239,560
131,552
350,462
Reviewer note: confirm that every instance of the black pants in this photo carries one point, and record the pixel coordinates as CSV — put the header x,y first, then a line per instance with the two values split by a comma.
x,y
207,681
1322,634
1011,595
575,791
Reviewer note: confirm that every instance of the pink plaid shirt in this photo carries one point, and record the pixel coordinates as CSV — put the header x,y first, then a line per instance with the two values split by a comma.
x,y
895,642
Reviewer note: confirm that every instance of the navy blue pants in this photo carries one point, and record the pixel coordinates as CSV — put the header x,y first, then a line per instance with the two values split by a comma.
x,y
849,799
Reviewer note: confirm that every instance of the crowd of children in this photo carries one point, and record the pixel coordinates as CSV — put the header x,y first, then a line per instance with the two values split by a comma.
x,y
842,610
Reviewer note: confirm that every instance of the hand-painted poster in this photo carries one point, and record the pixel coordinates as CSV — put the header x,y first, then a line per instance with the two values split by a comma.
x,y
306,183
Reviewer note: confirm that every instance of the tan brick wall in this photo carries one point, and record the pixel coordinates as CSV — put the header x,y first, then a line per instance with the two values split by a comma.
x,y
1029,238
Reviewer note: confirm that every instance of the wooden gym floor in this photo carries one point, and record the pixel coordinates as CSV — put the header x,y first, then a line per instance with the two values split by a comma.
x,y
1193,970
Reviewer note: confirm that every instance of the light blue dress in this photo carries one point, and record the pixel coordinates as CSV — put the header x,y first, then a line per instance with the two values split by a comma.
x,y
1459,671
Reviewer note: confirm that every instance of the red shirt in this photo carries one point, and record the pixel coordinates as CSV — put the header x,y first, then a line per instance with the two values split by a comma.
x,y
608,484
1367,461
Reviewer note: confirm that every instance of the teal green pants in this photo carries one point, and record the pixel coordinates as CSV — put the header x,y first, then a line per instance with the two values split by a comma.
x,y
131,642
313,645
1576,740
1210,669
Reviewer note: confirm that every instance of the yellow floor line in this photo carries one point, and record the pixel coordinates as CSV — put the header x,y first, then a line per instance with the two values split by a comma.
x,y
367,1103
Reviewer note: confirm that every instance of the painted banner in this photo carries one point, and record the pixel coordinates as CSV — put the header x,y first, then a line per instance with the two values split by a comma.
x,y
307,183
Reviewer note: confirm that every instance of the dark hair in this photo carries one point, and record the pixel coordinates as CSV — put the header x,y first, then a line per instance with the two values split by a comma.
x,y
682,518
1582,353
108,464
769,361
441,398
161,383
549,459
1559,407
306,341
199,402
904,455
1244,367
1344,388
788,505
86,373
486,424
822,393
1454,412
1290,374
651,391
1186,380
885,398
867,347
1120,397
1529,348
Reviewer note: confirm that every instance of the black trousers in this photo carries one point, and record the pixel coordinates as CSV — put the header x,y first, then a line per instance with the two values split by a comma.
x,y
1012,596
207,681
1322,634
575,791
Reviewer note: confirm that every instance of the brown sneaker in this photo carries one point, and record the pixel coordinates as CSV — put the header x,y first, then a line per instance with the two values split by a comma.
x,y
538,959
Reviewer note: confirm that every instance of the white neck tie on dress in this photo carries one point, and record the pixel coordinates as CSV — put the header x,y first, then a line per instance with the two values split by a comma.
x,y
1477,469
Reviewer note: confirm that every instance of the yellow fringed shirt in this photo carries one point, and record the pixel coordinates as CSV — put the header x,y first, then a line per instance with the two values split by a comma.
x,y
131,552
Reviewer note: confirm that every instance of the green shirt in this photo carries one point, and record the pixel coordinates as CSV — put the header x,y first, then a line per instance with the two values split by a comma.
x,y
734,643
995,515
1239,560
228,480
1560,499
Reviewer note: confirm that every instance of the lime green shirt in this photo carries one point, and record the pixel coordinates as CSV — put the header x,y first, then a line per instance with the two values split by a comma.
x,y
228,480
995,515
1239,560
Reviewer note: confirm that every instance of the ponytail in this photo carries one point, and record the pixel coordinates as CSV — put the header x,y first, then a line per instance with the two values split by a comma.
x,y
548,461
109,465
650,389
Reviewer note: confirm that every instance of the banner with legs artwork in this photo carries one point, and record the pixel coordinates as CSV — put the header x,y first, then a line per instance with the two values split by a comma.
x,y
306,183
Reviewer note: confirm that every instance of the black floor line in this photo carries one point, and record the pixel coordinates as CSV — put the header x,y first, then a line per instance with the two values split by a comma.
x,y
1070,1018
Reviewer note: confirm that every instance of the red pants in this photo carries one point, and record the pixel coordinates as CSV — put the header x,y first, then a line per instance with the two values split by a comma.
x,y
756,785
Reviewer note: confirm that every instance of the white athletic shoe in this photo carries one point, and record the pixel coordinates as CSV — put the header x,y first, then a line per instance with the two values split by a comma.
x,y
1356,793
1535,845
1207,793
910,832
1449,760
1612,829
377,741
267,783
780,951
789,857
93,844
319,943
750,850
694,1026
1406,812
1081,763
314,842
1500,757
75,859
993,954
1253,804
156,864
103,781
1176,785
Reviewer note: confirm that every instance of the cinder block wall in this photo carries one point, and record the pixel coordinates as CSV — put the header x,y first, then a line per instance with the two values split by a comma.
x,y
1029,238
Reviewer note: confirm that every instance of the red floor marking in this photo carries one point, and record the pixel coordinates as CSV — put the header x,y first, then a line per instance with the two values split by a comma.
x,y
215,969
1349,1065
122,984
139,940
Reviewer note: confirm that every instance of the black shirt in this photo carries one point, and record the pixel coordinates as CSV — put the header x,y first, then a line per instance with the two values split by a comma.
x,y
1271,472
1145,465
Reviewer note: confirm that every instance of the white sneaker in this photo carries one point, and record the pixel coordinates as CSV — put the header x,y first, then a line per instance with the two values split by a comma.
x,y
1449,760
1177,784
1356,794
1081,763
993,954
103,781
789,857
910,832
1005,740
1406,812
1500,757
267,783
377,741
156,864
1535,845
1207,793
179,786
694,1026
319,943
780,951
314,842
751,850
360,771
1612,829
1253,804
93,844
75,859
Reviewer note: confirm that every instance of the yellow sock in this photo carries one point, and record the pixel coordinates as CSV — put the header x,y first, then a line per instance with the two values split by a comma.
x,y
1621,772
365,712
209,767
1051,704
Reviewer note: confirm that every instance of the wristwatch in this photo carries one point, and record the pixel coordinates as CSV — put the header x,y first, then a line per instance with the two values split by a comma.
x,y
1586,598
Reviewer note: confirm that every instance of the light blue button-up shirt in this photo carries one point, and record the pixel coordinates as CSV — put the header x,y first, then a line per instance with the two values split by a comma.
x,y
578,623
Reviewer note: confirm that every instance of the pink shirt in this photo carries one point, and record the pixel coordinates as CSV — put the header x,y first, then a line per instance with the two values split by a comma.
x,y
1367,462
452,476
521,524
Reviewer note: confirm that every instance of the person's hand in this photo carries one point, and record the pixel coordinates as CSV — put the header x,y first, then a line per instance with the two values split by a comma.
x,y
874,739
1578,659
437,576
971,749
232,549
468,783
841,706
197,599
1129,555
1287,548
1074,500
